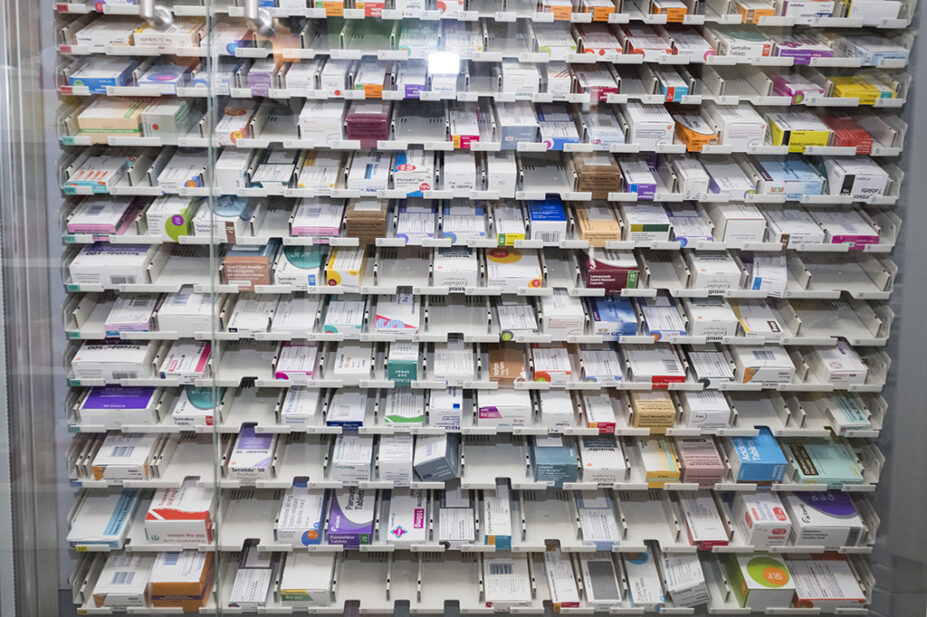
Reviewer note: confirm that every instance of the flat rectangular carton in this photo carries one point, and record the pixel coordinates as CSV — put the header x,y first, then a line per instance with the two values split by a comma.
x,y
437,457
181,579
125,456
408,517
612,317
761,519
700,460
497,518
306,579
351,458
253,456
827,518
504,408
597,520
756,459
555,460
737,222
599,577
659,461
103,519
611,270
760,581
826,582
652,409
824,461
644,586
557,409
347,409
602,459
119,405
685,580
247,266
395,458
123,581
704,526
300,406
112,361
181,515
705,409
300,517
350,520
765,365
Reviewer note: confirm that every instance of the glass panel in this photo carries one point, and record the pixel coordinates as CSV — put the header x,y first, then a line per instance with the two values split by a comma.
x,y
522,305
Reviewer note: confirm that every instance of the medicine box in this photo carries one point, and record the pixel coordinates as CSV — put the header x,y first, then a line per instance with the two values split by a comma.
x,y
307,579
764,365
761,519
125,456
653,409
112,361
611,270
756,458
645,589
301,517
704,526
685,580
254,455
103,518
602,460
409,517
181,515
497,518
827,518
394,458
351,517
181,580
612,317
596,224
555,460
115,406
826,583
759,581
659,461
700,460
737,222
437,457
824,461
123,581
504,408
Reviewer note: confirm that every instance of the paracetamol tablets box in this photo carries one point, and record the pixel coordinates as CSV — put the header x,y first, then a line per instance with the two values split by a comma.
x,y
350,520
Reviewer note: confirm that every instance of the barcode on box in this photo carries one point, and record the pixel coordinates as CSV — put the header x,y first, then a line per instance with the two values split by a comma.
x,y
123,451
118,375
763,354
140,300
500,569
170,559
122,280
122,578
94,210
548,236
669,366
182,297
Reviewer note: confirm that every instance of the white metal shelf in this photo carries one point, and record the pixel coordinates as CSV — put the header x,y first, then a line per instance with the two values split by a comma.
x,y
788,415
486,460
633,13
544,519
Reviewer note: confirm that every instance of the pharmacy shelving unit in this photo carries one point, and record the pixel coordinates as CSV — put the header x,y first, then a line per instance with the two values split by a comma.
x,y
835,297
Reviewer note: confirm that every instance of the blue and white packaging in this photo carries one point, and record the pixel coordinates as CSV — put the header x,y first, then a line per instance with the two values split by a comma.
x,y
414,172
789,176
757,459
597,520
557,126
102,519
548,221
612,317
100,72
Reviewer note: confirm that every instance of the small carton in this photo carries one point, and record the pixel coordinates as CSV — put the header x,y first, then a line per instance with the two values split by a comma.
x,y
599,576
563,315
301,517
685,580
506,581
826,582
700,460
824,461
307,579
765,365
561,580
704,526
659,461
182,580
759,581
859,177
394,458
611,270
710,317
555,460
497,518
437,457
839,365
798,130
612,317
597,520
706,410
123,581
596,224
351,457
656,364
351,517
653,409
756,459
408,517
504,408
762,519
249,265
181,515
645,589
827,518
345,267
253,456
602,460
125,456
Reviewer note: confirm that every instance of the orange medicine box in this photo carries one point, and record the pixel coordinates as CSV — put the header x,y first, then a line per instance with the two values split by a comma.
x,y
181,579
694,132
